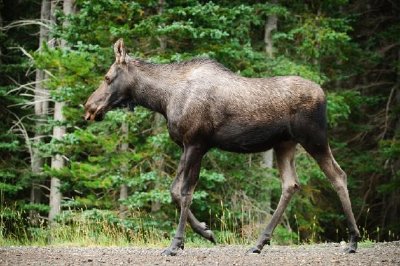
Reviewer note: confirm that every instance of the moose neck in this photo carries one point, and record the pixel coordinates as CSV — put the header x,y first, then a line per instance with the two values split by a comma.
x,y
152,86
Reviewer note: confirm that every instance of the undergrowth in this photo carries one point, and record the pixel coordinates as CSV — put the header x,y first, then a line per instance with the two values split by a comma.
x,y
105,228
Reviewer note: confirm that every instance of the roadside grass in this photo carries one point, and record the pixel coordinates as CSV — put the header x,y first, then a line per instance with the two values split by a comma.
x,y
105,228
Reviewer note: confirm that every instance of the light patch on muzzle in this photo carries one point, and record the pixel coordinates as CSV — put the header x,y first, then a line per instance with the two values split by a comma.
x,y
96,115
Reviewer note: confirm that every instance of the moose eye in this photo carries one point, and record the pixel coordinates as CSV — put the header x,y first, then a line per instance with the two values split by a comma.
x,y
107,79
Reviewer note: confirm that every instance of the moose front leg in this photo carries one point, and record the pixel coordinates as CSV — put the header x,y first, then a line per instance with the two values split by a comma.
x,y
192,157
199,227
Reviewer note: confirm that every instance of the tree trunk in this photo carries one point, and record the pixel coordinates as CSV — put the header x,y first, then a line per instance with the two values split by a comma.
x,y
161,39
123,195
57,162
270,25
159,165
158,118
267,163
123,192
41,109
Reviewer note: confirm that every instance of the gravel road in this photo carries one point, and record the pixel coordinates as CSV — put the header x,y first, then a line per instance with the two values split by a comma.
x,y
320,254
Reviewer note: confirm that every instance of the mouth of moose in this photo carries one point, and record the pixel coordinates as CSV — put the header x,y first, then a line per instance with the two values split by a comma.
x,y
97,115
100,112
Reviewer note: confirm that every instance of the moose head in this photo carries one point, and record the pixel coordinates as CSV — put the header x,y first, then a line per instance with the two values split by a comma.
x,y
114,91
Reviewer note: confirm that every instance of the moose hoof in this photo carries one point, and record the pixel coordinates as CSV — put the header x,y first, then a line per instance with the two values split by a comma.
x,y
349,250
169,252
209,235
253,251
176,244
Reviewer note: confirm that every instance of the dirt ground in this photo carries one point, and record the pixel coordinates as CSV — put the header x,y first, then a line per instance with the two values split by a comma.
x,y
320,254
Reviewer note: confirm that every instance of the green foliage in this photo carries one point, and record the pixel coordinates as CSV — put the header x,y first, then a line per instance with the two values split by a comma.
x,y
339,107
283,236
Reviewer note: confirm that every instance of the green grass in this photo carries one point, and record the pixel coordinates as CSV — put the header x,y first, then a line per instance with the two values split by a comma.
x,y
366,244
104,228
86,234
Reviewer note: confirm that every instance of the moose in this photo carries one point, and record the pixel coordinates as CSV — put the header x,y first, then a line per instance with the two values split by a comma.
x,y
207,106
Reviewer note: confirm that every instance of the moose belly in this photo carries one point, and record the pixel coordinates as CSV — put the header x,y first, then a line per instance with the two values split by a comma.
x,y
250,138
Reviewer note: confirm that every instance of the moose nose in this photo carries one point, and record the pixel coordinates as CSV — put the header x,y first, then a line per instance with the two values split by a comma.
x,y
90,110
87,116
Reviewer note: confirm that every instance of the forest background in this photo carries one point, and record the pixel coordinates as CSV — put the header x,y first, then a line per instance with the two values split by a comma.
x,y
63,179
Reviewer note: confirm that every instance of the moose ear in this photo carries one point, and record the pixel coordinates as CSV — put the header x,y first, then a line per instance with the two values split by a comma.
x,y
120,53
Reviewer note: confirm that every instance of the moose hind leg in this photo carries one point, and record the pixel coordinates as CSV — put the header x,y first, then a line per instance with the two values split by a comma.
x,y
338,179
290,184
199,227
